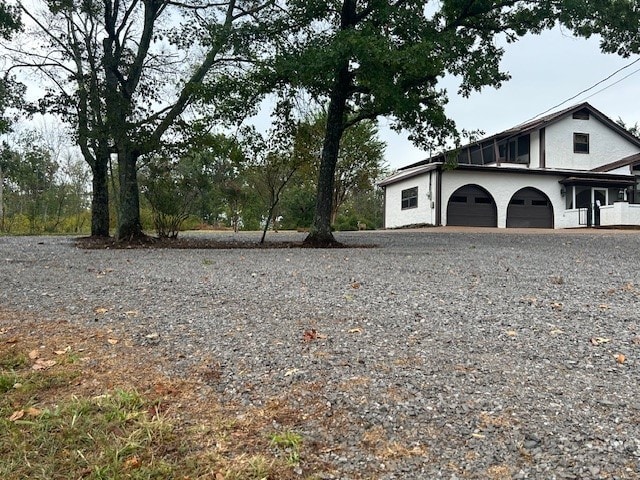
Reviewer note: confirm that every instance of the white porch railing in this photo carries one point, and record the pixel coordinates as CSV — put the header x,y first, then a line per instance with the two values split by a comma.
x,y
620,213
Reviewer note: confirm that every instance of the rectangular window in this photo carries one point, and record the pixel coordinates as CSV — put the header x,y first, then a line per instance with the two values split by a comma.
x,y
458,199
539,203
410,198
517,201
580,143
482,200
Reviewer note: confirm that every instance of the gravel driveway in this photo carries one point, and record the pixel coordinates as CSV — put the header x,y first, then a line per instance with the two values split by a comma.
x,y
437,354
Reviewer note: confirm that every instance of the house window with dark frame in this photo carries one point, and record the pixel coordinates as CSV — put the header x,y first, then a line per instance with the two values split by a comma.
x,y
580,143
410,198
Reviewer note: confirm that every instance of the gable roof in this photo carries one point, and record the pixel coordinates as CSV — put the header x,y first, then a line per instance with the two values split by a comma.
x,y
631,160
539,123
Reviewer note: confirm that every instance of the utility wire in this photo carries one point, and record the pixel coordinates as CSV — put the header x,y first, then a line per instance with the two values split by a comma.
x,y
591,88
614,83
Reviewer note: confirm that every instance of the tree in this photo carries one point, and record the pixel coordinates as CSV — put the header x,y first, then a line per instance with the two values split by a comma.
x,y
366,59
133,67
633,130
360,159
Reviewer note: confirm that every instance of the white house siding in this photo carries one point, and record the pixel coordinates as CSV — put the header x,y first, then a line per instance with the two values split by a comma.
x,y
605,145
534,150
502,186
395,216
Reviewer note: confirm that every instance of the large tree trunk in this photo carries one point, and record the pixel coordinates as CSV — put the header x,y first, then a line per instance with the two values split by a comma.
x,y
320,232
129,226
100,199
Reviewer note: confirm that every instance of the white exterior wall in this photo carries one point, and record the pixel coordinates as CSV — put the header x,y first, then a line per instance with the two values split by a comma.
x,y
605,145
425,212
534,150
502,186
620,213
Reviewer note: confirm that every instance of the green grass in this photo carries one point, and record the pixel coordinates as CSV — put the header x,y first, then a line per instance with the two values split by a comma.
x,y
46,432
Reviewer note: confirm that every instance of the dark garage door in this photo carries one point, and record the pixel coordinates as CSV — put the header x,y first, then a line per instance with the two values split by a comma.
x,y
529,208
472,206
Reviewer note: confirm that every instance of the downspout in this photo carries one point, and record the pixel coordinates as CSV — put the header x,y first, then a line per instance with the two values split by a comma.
x,y
384,207
439,196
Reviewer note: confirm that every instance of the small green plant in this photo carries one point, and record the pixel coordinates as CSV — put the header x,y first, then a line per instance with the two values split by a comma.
x,y
289,442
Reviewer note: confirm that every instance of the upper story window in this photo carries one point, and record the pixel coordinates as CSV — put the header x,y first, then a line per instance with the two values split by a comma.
x,y
581,114
515,150
410,198
580,143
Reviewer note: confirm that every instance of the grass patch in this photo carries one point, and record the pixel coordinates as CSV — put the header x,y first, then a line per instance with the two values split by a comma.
x,y
91,410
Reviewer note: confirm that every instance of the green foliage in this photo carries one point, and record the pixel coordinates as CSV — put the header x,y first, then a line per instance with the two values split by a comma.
x,y
40,194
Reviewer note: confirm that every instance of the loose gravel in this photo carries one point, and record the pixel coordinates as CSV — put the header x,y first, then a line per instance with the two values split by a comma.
x,y
436,354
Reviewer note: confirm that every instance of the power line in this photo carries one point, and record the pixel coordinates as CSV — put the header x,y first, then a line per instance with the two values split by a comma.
x,y
591,88
614,83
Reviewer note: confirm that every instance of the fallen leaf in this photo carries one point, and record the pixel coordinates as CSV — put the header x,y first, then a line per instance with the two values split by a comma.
x,y
309,335
635,340
112,341
355,330
293,371
511,333
131,313
355,285
12,340
131,463
33,354
557,306
477,435
599,340
620,358
43,364
62,352
33,412
17,415
100,310
603,306
556,331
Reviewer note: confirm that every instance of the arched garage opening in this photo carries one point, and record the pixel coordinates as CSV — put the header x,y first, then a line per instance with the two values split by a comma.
x,y
472,206
529,208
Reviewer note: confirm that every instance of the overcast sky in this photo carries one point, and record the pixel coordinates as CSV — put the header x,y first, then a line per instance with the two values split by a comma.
x,y
545,71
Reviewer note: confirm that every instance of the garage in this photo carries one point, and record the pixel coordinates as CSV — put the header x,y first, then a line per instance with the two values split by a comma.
x,y
529,208
472,206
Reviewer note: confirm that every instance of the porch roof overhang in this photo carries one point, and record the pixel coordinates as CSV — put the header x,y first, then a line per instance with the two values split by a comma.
x,y
598,182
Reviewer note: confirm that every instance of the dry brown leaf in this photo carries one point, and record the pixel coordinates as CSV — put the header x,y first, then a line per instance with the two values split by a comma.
x,y
355,285
33,412
12,340
557,306
603,306
17,415
100,310
112,341
511,333
131,313
33,354
309,335
62,352
355,330
43,364
599,340
556,331
132,463
620,358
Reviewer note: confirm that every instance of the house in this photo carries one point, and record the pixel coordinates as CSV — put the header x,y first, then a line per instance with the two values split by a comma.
x,y
572,168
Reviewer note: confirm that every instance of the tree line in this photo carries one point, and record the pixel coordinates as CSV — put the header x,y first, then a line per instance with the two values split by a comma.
x,y
147,85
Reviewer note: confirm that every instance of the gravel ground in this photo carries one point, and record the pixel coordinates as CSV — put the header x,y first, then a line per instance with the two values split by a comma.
x,y
438,354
